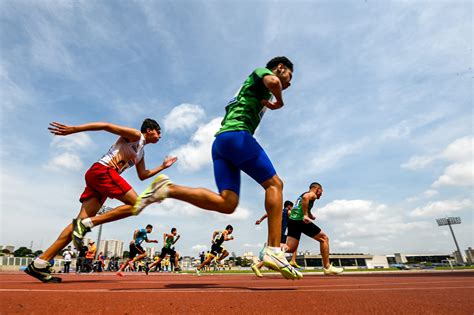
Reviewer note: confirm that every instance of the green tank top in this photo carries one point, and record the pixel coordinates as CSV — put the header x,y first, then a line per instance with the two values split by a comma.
x,y
245,111
297,212
219,238
169,241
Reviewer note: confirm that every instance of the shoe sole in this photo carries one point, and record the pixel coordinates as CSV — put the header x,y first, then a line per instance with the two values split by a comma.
x,y
285,271
42,278
142,199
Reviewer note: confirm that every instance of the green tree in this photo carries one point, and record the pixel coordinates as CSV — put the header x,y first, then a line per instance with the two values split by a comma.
x,y
126,254
38,252
23,252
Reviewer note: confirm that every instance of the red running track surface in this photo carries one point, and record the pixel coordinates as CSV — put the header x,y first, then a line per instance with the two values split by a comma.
x,y
394,293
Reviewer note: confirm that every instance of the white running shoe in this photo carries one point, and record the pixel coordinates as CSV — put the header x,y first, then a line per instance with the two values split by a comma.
x,y
279,263
256,271
156,192
333,270
198,272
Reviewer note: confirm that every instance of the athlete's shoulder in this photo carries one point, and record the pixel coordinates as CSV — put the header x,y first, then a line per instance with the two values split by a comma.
x,y
309,195
261,72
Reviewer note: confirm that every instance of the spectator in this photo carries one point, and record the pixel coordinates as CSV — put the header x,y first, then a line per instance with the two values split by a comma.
x,y
81,259
202,256
100,262
67,254
90,255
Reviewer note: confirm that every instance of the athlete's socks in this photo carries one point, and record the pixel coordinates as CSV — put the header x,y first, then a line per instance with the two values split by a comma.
x,y
40,263
275,250
87,222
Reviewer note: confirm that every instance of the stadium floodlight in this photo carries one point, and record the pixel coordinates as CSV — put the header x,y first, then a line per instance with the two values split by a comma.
x,y
102,210
450,221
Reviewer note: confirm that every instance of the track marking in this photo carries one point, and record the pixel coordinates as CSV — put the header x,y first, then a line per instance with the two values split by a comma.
x,y
226,291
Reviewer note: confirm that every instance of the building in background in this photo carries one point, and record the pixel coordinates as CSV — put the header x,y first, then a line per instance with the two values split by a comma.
x,y
110,248
9,248
400,258
469,255
150,251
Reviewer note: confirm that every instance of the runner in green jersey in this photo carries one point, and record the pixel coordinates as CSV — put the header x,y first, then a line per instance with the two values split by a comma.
x,y
300,221
168,240
235,150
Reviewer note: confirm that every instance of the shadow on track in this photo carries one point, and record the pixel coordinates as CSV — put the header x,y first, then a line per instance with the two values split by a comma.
x,y
204,286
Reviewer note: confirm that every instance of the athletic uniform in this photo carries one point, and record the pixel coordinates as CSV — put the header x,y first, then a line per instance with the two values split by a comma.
x,y
296,225
136,248
217,242
103,179
235,148
167,250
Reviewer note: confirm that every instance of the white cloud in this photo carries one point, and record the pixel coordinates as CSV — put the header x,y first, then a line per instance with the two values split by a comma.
x,y
328,159
12,94
426,194
239,214
172,207
72,142
457,174
65,161
342,244
199,247
461,172
418,162
460,150
441,208
339,209
358,219
183,117
197,152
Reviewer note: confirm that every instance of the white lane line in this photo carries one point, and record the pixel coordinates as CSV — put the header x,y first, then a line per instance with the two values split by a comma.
x,y
250,290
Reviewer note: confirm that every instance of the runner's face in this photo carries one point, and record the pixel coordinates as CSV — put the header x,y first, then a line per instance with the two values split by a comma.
x,y
148,230
152,136
285,75
319,192
174,233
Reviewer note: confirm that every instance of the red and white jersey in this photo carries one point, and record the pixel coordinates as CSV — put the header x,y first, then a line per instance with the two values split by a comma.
x,y
123,154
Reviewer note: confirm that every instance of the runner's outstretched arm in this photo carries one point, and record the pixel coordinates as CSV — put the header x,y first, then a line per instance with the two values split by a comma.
x,y
143,173
177,238
130,134
261,219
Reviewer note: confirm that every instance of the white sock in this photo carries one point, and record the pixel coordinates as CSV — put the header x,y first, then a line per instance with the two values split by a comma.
x,y
40,263
275,250
87,222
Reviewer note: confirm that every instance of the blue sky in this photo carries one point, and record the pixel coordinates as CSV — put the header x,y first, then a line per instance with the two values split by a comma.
x,y
379,112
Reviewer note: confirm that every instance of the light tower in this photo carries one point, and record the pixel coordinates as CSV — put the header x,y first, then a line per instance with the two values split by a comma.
x,y
450,221
102,210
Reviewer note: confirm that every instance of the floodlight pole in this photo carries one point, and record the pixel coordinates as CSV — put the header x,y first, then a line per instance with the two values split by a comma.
x,y
455,241
102,210
449,221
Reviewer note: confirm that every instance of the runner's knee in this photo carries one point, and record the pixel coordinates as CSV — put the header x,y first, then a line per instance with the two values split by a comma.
x,y
322,238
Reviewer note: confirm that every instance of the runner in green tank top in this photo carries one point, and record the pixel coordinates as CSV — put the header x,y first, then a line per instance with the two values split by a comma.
x,y
234,151
245,110
300,221
168,241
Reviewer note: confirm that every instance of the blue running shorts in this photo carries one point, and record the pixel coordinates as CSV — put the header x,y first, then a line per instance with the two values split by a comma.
x,y
235,151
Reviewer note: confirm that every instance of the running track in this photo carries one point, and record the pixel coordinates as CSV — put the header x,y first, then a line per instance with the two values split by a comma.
x,y
393,293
